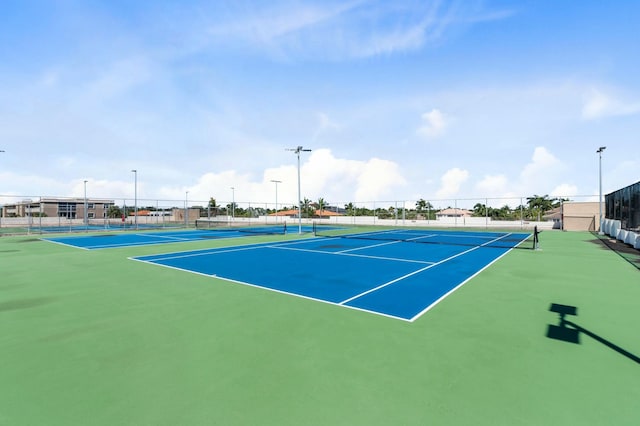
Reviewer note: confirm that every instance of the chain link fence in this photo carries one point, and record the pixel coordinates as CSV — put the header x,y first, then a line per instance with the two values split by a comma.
x,y
45,214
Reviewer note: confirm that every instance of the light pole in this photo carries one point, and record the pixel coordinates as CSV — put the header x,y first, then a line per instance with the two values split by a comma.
x,y
601,219
276,182
297,151
186,209
86,218
135,195
233,203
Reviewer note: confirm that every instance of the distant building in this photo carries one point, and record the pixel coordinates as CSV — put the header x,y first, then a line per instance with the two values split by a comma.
x,y
69,208
317,213
453,213
289,213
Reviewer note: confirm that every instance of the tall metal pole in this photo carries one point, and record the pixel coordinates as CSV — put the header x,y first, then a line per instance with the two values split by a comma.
x,y
276,182
601,219
297,151
299,198
86,218
135,199
186,209
233,203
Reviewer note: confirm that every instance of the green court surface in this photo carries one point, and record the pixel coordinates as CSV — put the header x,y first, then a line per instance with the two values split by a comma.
x,y
93,338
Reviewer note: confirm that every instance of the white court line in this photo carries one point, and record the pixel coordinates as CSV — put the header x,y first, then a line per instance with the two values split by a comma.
x,y
441,298
382,244
165,237
339,253
204,252
341,304
271,289
418,271
64,244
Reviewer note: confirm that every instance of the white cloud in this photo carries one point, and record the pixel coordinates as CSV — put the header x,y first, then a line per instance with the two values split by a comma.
x,y
338,30
564,190
325,123
321,175
493,185
599,104
435,124
542,165
451,182
539,176
350,180
376,180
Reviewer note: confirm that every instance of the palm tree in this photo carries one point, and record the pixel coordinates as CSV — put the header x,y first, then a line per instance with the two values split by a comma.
x,y
479,210
321,205
504,212
350,208
213,206
538,205
421,205
306,207
114,211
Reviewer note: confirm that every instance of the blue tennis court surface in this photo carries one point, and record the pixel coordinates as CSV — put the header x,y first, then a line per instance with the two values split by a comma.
x,y
398,279
102,241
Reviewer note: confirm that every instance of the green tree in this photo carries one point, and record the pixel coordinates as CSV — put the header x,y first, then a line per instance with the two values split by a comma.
x,y
114,212
350,208
503,213
422,206
233,209
479,210
538,205
321,205
213,206
307,209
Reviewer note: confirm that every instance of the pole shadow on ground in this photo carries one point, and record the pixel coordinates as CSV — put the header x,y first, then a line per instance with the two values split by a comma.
x,y
569,331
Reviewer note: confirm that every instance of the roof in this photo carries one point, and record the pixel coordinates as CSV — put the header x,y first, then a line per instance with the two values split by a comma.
x,y
284,213
324,213
454,212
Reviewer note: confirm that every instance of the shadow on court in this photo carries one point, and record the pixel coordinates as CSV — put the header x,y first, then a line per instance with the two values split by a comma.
x,y
12,305
569,331
623,250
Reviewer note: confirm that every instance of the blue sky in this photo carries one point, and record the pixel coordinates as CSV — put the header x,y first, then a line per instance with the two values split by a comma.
x,y
398,100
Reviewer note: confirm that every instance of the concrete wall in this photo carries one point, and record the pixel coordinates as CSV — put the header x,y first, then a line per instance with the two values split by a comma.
x,y
580,216
469,222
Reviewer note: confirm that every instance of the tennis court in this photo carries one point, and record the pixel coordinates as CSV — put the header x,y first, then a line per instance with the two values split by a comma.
x,y
395,273
110,240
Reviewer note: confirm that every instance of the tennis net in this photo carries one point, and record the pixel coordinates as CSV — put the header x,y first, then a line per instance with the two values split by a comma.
x,y
509,240
212,225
